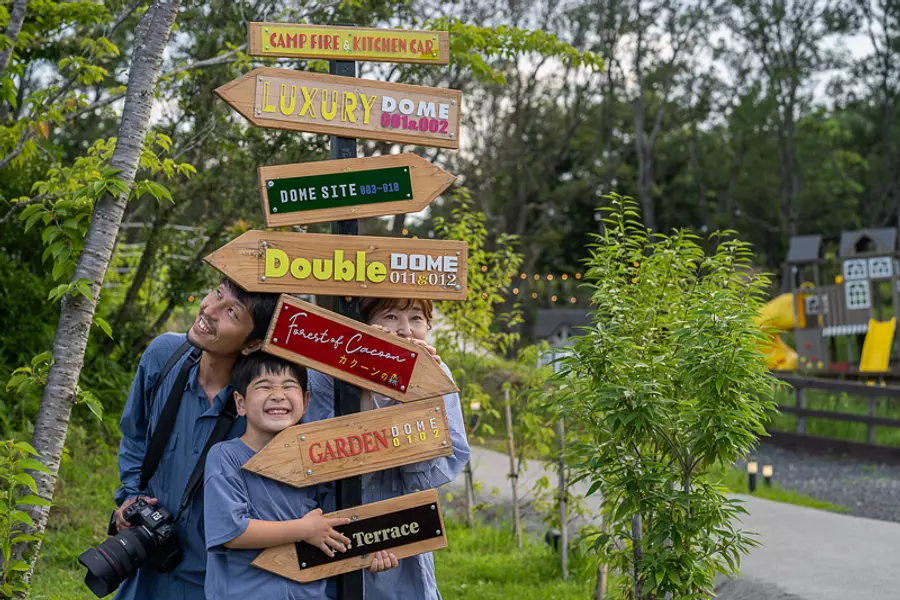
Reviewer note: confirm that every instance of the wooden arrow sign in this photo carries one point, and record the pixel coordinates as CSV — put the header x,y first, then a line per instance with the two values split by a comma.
x,y
352,188
354,352
407,525
343,265
354,444
349,43
345,107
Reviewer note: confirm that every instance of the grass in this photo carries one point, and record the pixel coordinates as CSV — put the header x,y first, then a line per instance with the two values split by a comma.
x,y
83,500
857,405
485,564
737,482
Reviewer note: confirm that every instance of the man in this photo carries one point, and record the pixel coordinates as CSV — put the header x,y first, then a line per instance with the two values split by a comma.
x,y
230,322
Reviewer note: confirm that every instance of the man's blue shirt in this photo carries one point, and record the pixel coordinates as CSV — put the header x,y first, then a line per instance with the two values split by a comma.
x,y
193,425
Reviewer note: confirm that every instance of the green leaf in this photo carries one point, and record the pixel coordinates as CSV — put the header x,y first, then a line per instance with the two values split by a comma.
x,y
20,516
34,465
32,500
103,325
95,407
24,537
26,480
25,447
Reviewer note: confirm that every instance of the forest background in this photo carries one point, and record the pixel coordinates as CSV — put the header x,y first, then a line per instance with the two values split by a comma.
x,y
770,117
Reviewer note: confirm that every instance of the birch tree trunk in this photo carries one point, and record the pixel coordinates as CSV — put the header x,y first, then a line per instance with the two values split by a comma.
x,y
77,314
16,18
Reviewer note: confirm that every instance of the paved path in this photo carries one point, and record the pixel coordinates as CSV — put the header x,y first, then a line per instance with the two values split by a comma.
x,y
806,554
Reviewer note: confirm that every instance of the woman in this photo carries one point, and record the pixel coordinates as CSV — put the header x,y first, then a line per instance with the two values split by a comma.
x,y
410,319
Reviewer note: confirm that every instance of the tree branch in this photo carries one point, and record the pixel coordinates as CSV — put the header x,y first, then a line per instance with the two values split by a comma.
x,y
20,205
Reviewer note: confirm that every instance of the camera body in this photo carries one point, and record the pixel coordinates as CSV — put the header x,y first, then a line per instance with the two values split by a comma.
x,y
150,542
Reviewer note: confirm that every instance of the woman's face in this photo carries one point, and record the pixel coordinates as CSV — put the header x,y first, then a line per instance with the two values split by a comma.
x,y
408,322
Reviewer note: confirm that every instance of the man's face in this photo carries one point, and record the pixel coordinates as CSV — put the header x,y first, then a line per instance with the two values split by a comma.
x,y
274,402
222,324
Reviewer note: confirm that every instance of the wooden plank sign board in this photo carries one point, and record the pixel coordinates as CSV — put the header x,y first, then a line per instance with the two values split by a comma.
x,y
284,40
354,444
339,265
406,526
345,107
354,352
351,188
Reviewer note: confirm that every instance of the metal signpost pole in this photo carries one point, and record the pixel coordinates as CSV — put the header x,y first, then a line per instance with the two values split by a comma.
x,y
346,397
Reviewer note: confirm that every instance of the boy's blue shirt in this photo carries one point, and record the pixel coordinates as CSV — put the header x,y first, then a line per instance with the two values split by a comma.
x,y
195,421
233,497
414,578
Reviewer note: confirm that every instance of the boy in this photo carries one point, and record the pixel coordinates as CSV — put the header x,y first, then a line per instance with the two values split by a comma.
x,y
245,512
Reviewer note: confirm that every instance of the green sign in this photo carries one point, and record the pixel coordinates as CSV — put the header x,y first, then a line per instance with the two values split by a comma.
x,y
338,190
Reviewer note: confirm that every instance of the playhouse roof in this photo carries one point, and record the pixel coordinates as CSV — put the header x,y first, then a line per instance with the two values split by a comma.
x,y
550,320
864,242
804,249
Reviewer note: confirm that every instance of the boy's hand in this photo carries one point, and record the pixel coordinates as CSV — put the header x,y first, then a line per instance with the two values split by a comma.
x,y
319,532
121,523
382,561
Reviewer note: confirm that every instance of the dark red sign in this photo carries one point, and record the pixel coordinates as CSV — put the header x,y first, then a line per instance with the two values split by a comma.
x,y
341,347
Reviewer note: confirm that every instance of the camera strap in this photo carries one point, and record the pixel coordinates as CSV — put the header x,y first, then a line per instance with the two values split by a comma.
x,y
226,418
166,421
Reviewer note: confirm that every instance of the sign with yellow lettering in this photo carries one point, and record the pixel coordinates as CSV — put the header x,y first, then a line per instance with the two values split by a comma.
x,y
338,265
349,43
354,444
351,188
346,107
406,526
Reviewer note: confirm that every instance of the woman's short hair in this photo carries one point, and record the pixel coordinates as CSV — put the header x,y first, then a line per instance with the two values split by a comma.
x,y
369,307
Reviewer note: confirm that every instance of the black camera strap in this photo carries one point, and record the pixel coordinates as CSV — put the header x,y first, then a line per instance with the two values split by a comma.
x,y
166,421
227,417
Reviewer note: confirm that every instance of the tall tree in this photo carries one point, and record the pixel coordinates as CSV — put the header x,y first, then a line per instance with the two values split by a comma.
x,y
77,314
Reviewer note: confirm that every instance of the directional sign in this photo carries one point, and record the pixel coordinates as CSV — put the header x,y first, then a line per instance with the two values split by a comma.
x,y
345,107
352,188
354,352
349,43
406,526
355,444
338,265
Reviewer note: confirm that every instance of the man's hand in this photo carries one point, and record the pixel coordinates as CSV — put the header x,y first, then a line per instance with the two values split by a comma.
x,y
319,532
121,523
382,561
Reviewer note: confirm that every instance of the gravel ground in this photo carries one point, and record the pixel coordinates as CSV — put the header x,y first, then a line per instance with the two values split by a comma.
x,y
865,488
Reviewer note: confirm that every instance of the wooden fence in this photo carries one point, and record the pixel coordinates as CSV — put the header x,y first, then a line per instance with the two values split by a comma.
x,y
800,436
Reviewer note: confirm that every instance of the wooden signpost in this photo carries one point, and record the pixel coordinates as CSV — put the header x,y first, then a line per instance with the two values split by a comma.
x,y
392,112
354,352
351,188
349,43
351,445
299,263
406,526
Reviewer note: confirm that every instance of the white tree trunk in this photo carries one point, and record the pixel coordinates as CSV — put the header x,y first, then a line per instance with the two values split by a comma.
x,y
16,18
77,314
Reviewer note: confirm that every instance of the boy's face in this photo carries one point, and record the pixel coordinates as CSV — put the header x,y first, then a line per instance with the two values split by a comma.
x,y
274,402
408,322
222,324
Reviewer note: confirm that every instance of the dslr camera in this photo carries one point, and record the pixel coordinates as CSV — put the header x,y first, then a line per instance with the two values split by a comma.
x,y
151,542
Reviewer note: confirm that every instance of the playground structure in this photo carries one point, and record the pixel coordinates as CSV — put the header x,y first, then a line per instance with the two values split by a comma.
x,y
847,326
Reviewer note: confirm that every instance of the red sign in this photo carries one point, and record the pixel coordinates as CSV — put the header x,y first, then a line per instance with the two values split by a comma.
x,y
344,348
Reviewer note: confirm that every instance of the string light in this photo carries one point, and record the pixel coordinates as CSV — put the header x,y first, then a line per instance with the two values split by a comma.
x,y
534,295
549,277
577,275
564,276
536,277
415,237
523,276
405,231
483,268
190,298
553,298
573,299
516,291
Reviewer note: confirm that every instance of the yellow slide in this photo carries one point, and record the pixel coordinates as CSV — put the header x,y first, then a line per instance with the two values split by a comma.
x,y
778,315
876,353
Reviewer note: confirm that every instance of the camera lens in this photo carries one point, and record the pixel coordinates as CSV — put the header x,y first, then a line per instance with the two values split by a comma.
x,y
116,559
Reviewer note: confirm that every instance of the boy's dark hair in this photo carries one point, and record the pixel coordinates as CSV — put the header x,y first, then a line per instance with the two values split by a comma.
x,y
260,307
249,367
